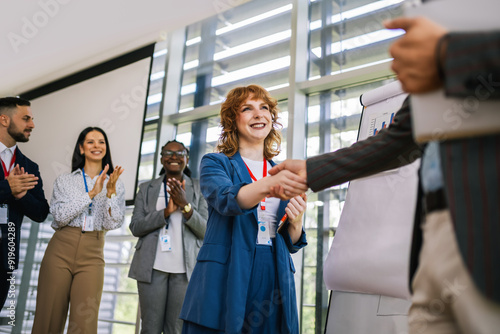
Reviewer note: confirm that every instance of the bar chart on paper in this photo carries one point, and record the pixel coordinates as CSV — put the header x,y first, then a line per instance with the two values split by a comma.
x,y
379,122
379,109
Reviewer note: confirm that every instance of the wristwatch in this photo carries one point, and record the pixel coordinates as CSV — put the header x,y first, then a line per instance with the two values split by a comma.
x,y
186,208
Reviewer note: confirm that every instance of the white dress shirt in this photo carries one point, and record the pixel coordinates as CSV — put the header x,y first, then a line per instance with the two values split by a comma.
x,y
6,154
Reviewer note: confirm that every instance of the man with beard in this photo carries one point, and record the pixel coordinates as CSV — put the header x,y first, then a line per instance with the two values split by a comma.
x,y
21,190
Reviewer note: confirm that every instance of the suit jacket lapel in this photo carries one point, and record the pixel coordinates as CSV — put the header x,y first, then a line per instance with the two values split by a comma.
x,y
20,158
240,167
154,192
189,189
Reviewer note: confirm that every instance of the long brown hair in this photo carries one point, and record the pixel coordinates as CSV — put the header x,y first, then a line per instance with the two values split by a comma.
x,y
228,140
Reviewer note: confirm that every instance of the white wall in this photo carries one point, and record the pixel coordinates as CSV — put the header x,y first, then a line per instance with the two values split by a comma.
x,y
44,40
113,101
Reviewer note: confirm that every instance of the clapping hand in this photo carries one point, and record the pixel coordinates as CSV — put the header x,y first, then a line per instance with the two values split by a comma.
x,y
171,207
177,192
99,183
111,185
20,182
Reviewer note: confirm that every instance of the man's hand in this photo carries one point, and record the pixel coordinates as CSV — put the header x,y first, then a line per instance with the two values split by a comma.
x,y
297,167
20,182
415,54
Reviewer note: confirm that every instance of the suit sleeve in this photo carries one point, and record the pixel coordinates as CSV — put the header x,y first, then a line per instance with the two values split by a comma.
x,y
390,148
472,65
217,186
197,223
293,247
144,222
33,204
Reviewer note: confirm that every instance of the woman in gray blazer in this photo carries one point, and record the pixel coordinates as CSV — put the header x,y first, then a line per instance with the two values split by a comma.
x,y
170,219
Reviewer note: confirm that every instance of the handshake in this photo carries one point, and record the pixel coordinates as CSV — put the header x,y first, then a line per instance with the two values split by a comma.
x,y
289,179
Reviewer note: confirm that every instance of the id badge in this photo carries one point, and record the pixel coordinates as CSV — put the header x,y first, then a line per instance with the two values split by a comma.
x,y
88,223
4,213
165,243
263,235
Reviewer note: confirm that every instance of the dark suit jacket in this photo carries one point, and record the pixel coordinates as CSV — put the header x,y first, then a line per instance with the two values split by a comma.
x,y
33,205
471,166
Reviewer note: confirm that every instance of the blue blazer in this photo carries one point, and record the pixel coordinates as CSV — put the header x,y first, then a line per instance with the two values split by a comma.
x,y
217,291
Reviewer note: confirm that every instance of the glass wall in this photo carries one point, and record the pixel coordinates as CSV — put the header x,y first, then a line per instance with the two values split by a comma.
x,y
332,123
348,34
247,44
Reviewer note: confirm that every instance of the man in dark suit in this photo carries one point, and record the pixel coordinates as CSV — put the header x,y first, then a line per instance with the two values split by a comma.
x,y
456,246
21,190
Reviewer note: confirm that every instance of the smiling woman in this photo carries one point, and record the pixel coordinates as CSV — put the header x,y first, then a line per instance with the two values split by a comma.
x,y
86,203
243,280
170,219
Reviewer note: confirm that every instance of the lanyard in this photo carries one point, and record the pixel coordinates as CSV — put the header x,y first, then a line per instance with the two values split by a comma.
x,y
6,171
166,201
165,190
86,187
264,174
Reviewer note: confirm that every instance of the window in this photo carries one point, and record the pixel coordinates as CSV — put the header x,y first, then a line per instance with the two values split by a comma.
x,y
247,44
350,34
332,124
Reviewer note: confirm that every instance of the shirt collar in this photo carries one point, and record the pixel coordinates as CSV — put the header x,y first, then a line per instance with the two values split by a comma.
x,y
77,171
3,147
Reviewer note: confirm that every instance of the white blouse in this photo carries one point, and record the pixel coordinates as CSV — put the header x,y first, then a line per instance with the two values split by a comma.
x,y
70,202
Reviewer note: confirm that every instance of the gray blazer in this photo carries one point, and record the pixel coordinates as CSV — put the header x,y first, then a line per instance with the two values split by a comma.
x,y
147,222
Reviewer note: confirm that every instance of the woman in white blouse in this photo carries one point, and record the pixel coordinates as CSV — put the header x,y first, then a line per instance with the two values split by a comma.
x,y
85,204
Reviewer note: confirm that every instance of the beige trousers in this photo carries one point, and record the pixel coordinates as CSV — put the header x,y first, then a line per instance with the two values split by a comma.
x,y
71,273
445,299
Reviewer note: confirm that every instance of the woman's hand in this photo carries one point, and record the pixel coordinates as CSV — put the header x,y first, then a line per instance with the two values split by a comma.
x,y
295,209
286,185
171,207
111,185
177,192
99,183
